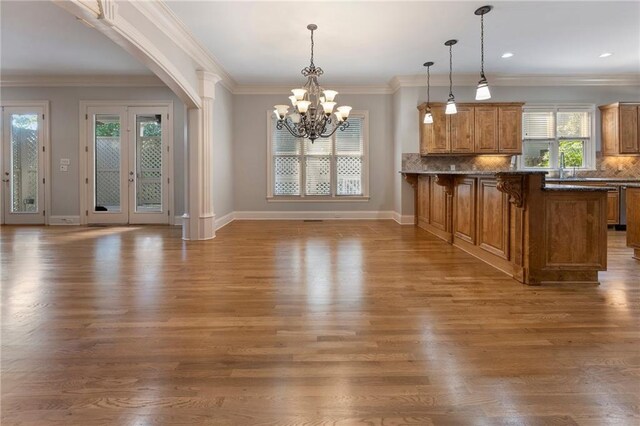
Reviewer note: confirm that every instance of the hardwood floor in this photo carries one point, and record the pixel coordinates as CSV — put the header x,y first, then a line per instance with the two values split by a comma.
x,y
304,323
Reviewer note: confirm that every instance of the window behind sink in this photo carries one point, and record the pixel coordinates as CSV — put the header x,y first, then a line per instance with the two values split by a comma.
x,y
548,131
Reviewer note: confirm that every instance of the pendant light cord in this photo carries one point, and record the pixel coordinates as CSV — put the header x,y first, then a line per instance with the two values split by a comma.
x,y
482,45
450,71
428,85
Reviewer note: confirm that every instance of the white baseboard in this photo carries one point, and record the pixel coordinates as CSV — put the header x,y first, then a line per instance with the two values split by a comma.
x,y
220,222
407,219
64,220
225,220
313,215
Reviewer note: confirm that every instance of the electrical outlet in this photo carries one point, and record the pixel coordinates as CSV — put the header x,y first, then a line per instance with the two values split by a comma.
x,y
64,168
452,166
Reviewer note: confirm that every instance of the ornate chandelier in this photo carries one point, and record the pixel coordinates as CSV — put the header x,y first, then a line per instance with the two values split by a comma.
x,y
312,115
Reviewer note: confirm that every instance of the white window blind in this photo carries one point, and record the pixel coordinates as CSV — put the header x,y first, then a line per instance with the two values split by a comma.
x,y
538,125
328,168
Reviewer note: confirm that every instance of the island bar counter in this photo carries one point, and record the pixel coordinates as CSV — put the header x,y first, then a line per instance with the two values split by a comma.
x,y
535,233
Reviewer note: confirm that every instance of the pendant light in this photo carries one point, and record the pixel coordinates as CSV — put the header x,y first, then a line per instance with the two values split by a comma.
x,y
451,102
428,118
482,93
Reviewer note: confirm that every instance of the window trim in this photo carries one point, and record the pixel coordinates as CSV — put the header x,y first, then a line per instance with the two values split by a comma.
x,y
590,148
320,198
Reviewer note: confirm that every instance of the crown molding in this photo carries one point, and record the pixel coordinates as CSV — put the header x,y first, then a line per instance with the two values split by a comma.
x,y
80,80
286,90
168,22
517,80
395,83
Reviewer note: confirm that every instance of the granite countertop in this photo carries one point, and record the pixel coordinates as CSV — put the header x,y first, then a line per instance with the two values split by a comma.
x,y
556,187
470,172
631,185
593,179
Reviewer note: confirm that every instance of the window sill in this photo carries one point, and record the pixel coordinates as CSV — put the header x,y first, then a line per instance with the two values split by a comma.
x,y
312,199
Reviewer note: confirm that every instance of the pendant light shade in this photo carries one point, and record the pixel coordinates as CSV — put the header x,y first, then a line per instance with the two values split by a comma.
x,y
451,102
482,92
428,118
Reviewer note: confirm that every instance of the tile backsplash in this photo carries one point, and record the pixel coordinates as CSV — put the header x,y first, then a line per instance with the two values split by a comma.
x,y
620,167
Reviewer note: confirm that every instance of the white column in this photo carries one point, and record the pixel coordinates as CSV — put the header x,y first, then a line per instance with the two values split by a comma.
x,y
199,221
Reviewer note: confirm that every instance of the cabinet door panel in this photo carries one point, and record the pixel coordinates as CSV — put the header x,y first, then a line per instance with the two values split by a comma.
x,y
510,134
464,208
613,208
486,130
435,135
629,129
437,206
610,131
462,130
493,218
423,199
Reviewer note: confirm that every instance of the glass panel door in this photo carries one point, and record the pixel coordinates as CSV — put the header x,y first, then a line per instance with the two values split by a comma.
x,y
148,158
23,162
108,179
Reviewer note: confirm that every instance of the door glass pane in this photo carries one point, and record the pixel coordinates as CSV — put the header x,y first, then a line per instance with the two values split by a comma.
x,y
24,163
108,149
148,163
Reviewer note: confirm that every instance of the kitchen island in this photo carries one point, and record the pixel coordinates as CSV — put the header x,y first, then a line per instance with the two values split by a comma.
x,y
514,221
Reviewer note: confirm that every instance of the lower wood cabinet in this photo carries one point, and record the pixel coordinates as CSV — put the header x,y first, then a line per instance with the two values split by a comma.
x,y
464,209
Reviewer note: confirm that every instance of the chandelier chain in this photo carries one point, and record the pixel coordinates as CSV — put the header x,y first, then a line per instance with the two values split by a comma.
x,y
428,85
312,44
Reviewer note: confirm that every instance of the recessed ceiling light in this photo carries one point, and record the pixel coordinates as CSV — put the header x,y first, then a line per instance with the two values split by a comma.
x,y
506,55
606,55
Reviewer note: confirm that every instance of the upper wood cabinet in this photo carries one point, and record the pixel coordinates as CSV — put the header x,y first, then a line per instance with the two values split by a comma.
x,y
487,128
620,128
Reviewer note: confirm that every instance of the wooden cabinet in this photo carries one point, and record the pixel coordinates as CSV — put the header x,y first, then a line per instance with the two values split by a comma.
x,y
620,128
476,129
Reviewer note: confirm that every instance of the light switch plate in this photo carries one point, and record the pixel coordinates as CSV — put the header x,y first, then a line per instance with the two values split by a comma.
x,y
65,161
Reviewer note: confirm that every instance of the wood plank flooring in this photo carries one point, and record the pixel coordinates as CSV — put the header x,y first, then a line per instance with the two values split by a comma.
x,y
297,323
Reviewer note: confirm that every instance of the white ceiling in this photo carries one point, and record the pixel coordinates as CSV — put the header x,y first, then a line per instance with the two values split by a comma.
x,y
357,43
40,38
370,42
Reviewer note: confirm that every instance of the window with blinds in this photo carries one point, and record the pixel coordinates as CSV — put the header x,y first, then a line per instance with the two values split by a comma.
x,y
328,168
547,133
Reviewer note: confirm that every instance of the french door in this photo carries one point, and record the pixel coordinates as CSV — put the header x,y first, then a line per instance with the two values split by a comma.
x,y
127,155
23,162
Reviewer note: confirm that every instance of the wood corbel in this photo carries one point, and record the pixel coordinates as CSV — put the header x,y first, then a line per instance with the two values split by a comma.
x,y
514,186
447,181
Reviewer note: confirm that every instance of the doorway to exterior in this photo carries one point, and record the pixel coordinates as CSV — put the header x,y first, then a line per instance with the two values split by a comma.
x,y
127,150
24,154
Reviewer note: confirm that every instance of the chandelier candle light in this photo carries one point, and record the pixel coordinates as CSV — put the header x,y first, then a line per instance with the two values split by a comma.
x,y
428,118
312,115
482,93
451,102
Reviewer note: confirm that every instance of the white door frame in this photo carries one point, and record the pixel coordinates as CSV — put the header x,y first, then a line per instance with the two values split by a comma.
x,y
83,150
46,172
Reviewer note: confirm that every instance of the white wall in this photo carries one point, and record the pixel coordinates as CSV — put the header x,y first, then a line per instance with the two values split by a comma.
x,y
406,133
223,182
250,154
64,110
